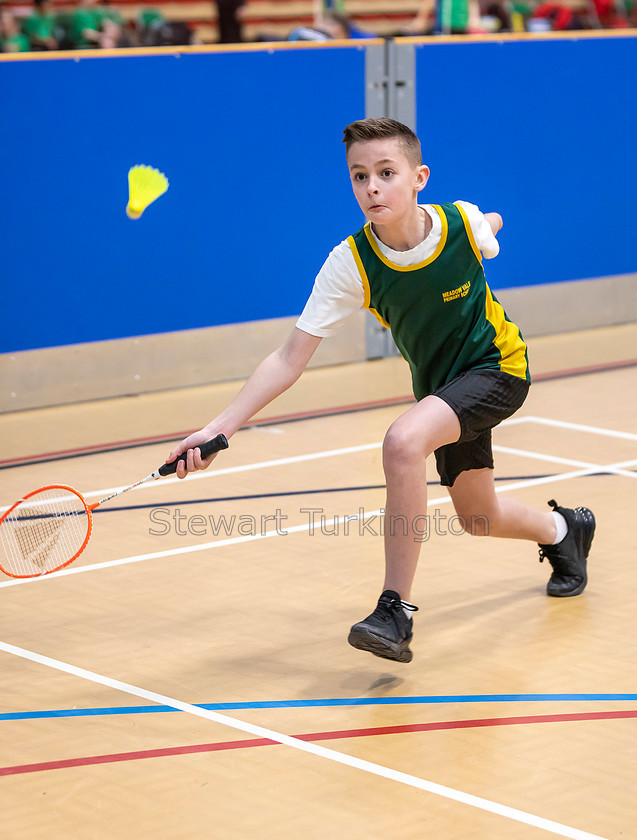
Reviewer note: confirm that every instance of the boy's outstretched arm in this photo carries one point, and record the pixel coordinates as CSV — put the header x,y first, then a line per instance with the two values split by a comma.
x,y
495,220
273,376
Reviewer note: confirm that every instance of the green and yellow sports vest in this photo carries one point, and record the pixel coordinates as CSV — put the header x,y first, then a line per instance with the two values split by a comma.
x,y
441,312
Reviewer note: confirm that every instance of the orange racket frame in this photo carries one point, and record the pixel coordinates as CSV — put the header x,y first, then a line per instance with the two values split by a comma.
x,y
89,530
208,448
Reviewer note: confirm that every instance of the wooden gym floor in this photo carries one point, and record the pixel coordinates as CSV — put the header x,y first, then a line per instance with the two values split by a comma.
x,y
150,689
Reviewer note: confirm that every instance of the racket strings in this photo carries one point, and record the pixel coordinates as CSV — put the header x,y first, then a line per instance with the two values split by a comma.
x,y
36,534
43,533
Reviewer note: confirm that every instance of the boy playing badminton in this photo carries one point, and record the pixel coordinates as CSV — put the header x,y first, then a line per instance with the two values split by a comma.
x,y
418,269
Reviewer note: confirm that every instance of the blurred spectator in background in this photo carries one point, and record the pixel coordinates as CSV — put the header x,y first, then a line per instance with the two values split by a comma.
x,y
155,31
614,14
447,17
339,26
95,25
424,22
85,24
11,39
113,35
556,17
111,13
148,23
329,26
40,27
230,14
585,14
305,33
497,17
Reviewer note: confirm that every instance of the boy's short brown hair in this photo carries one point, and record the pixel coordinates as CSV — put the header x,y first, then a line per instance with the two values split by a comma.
x,y
380,128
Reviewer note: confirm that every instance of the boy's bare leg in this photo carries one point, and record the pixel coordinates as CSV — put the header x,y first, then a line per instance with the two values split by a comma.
x,y
387,632
409,440
487,514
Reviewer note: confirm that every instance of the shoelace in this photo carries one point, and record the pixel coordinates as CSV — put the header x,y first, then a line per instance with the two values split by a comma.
x,y
393,604
552,554
544,556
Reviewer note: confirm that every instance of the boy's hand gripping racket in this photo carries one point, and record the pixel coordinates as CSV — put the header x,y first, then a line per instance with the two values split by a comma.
x,y
49,528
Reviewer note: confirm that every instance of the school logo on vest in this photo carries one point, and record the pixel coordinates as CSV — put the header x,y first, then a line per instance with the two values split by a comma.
x,y
454,294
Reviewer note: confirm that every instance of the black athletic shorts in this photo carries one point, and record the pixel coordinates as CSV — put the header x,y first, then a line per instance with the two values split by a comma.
x,y
481,399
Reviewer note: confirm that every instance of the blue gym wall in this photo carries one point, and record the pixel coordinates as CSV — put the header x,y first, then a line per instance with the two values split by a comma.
x,y
544,132
541,130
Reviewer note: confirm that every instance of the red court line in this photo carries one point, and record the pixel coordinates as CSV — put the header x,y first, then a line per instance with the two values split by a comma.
x,y
581,371
313,736
174,436
285,418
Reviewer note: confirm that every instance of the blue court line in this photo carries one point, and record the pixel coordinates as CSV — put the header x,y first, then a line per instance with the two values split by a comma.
x,y
280,494
308,704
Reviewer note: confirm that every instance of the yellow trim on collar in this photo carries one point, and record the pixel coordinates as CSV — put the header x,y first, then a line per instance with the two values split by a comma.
x,y
428,261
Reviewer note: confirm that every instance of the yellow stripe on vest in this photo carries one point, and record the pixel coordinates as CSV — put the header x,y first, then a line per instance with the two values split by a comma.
x,y
365,281
507,335
507,339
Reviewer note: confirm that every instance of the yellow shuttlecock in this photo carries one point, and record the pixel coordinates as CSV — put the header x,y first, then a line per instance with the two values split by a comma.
x,y
145,184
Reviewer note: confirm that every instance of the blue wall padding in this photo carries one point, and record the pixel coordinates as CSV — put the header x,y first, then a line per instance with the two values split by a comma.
x,y
545,133
541,130
259,191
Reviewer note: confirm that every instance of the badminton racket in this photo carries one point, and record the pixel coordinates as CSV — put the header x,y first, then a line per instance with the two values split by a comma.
x,y
50,527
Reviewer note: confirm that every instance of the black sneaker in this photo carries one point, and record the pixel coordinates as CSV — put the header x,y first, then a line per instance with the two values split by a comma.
x,y
387,631
568,557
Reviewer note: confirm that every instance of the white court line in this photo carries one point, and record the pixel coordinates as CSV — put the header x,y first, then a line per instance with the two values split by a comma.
x,y
555,459
586,469
297,529
308,747
259,465
172,552
550,479
578,427
312,456
348,450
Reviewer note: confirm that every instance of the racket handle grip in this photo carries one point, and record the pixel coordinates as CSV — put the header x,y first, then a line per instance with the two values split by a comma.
x,y
215,445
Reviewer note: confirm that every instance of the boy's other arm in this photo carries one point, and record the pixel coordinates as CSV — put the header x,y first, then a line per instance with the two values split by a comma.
x,y
276,373
495,221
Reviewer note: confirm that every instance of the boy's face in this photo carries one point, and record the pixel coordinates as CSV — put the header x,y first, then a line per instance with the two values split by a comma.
x,y
386,184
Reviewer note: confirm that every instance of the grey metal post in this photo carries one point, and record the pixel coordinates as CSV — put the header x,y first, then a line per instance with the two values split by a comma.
x,y
401,87
376,81
390,91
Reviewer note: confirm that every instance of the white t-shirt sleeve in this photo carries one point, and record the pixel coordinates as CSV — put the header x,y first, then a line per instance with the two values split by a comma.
x,y
481,229
337,294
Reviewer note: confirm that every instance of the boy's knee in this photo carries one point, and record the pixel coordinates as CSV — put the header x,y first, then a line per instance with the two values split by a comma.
x,y
401,444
